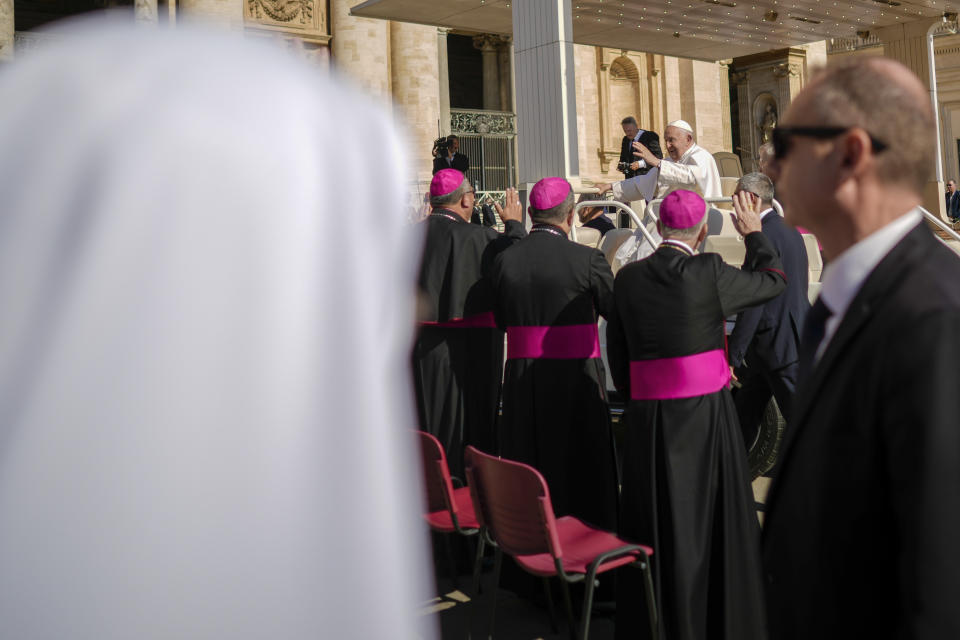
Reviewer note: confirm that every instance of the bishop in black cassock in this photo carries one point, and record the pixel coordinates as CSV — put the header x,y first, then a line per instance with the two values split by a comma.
x,y
549,294
686,486
458,357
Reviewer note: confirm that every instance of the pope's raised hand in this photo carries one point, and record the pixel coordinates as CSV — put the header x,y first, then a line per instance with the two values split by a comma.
x,y
641,150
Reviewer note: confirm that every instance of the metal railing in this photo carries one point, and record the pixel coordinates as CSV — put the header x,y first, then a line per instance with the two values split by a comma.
x,y
618,205
487,138
712,200
940,223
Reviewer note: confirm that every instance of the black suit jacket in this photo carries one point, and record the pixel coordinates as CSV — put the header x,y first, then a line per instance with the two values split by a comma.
x,y
769,335
863,520
650,140
953,204
460,163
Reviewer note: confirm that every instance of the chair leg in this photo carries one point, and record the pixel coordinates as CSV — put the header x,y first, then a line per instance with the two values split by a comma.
x,y
553,611
571,622
477,562
497,562
651,600
587,606
451,562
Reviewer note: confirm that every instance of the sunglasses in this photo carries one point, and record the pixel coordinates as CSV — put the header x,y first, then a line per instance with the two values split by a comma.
x,y
782,137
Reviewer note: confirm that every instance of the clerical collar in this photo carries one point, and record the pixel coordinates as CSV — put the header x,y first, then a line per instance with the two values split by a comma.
x,y
446,213
548,228
677,244
763,214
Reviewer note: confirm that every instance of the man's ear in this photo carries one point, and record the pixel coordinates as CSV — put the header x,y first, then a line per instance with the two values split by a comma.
x,y
701,236
854,150
570,217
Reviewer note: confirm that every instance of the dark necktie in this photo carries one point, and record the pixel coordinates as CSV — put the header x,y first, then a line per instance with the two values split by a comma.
x,y
813,330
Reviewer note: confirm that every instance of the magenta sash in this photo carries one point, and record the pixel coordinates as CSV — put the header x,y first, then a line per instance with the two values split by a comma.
x,y
479,321
683,377
568,342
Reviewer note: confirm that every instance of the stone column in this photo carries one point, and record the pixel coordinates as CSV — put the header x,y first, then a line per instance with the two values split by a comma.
x,y
658,120
741,79
907,43
546,87
6,30
443,78
487,44
360,48
415,74
788,75
725,105
607,132
505,73
145,11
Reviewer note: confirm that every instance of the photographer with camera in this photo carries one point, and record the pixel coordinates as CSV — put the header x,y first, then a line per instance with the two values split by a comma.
x,y
629,165
446,155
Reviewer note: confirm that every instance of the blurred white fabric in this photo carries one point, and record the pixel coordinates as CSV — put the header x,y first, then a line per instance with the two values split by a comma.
x,y
204,406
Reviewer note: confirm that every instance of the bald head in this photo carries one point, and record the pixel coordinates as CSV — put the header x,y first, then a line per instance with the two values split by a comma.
x,y
887,100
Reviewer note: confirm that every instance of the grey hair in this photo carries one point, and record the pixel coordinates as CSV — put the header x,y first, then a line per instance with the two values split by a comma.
x,y
555,214
687,235
757,184
453,197
629,120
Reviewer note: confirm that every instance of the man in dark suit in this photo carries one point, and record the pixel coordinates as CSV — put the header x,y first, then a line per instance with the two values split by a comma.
x,y
452,159
953,201
863,518
764,345
633,133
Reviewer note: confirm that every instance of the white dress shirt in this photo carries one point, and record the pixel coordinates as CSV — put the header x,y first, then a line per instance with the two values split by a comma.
x,y
844,276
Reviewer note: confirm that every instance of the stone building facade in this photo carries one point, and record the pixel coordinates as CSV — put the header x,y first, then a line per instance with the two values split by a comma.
x,y
422,72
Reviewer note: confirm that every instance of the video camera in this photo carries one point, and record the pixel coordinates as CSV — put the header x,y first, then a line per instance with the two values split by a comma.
x,y
441,145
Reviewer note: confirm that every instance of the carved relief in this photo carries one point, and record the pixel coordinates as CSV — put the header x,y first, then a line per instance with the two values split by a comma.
x,y
485,122
306,18
487,42
784,70
145,10
739,77
282,10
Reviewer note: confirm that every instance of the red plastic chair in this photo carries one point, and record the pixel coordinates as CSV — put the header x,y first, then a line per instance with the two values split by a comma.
x,y
515,509
449,509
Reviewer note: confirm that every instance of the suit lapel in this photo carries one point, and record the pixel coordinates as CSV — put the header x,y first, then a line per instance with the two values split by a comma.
x,y
883,280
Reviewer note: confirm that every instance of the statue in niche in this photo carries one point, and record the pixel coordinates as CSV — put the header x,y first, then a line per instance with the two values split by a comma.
x,y
768,122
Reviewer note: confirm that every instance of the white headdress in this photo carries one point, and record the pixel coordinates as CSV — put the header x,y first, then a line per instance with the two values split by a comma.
x,y
681,124
204,414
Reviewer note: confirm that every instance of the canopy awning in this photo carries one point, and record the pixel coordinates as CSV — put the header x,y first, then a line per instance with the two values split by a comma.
x,y
698,29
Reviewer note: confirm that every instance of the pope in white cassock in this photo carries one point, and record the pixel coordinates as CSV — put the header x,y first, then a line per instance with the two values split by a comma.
x,y
689,166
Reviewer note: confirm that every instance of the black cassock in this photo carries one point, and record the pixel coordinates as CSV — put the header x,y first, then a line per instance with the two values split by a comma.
x,y
458,357
686,486
549,292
